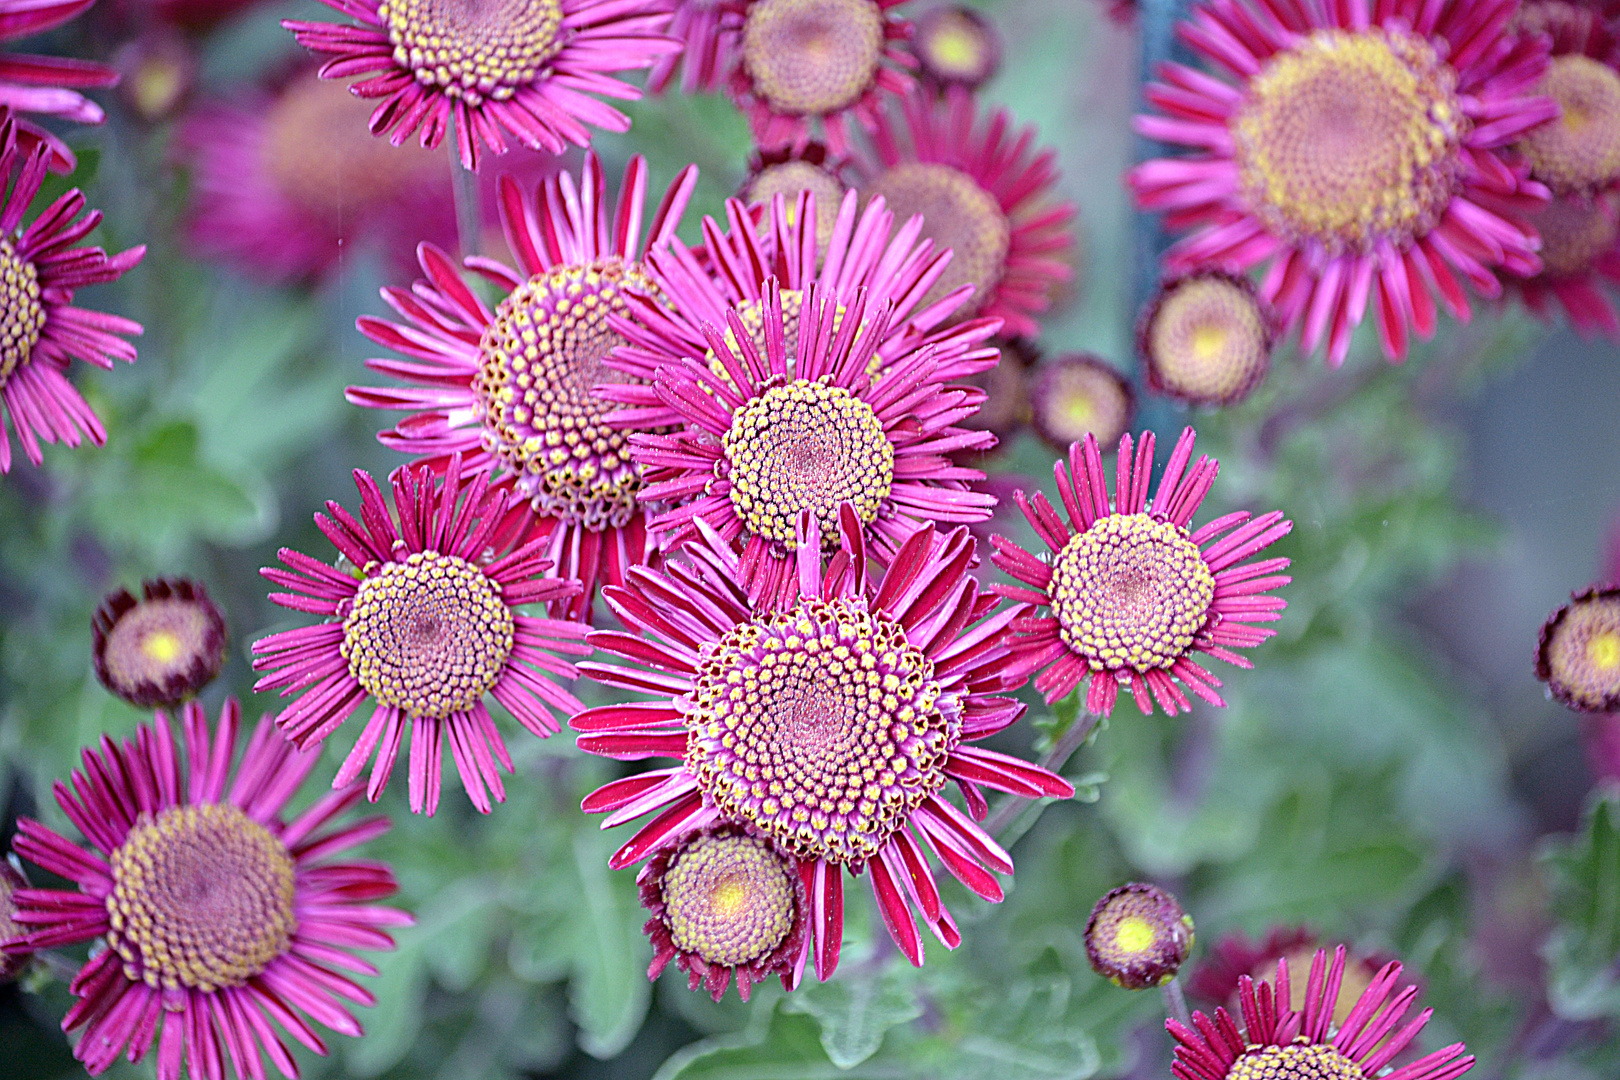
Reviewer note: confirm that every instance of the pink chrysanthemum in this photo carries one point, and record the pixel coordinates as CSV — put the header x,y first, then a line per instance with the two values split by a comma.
x,y
218,917
982,196
1216,978
859,699
808,64
424,622
709,31
1278,1041
526,68
1356,158
1580,263
41,333
514,390
1131,591
766,438
41,84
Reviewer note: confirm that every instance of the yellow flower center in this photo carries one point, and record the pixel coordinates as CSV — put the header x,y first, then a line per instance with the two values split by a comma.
x,y
729,899
23,315
1297,1061
474,49
1581,151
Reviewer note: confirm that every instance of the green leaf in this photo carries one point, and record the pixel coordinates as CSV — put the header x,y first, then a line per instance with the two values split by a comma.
x,y
785,1047
609,992
855,1011
1583,952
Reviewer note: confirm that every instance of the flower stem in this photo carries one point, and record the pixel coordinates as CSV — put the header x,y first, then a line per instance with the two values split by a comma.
x,y
1054,760
1175,1001
464,186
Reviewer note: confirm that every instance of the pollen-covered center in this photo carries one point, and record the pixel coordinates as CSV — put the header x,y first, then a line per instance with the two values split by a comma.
x,y
1296,1061
1583,653
474,49
729,898
23,315
806,446
958,215
157,640
541,360
202,897
812,57
821,726
1130,592
1208,340
428,636
1580,151
1350,137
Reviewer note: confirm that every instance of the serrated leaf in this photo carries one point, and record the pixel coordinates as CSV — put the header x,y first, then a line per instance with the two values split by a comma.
x,y
855,1012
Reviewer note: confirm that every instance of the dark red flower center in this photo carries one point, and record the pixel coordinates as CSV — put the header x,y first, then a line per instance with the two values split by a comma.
x,y
23,316
729,898
812,57
1296,1061
1580,151
474,49
959,216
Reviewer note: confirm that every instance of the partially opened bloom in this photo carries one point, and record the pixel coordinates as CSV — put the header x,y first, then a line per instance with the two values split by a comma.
x,y
708,31
424,621
1138,936
982,195
956,46
767,438
527,69
805,65
220,919
1131,590
1354,154
830,726
41,332
160,649
1578,655
514,390
1073,396
1277,1041
1206,339
48,85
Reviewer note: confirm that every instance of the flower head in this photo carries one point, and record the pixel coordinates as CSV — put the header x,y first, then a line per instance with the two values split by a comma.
x,y
426,625
515,390
1306,1043
1206,339
1578,656
1130,589
215,912
726,900
41,332
523,68
770,437
1580,262
1580,151
1215,979
1357,158
47,85
982,196
859,700
1138,936
1074,396
160,649
956,46
788,170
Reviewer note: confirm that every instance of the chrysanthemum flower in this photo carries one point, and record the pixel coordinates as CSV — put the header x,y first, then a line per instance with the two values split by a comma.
x,y
1131,590
218,917
1579,153
858,702
525,68
11,879
726,900
1138,936
1071,397
766,439
708,31
788,170
1578,654
1580,263
160,649
41,332
956,46
1356,158
44,85
1206,339
426,625
514,390
1306,1044
982,196
1215,979
808,64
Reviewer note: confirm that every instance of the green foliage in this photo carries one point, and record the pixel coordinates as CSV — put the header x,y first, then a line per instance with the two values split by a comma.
x,y
1583,951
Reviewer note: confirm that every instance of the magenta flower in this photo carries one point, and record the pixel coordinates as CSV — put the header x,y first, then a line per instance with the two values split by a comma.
x,y
1580,263
1131,590
767,438
982,196
1354,154
1278,1041
217,916
528,412
42,84
708,31
525,68
425,624
859,700
41,333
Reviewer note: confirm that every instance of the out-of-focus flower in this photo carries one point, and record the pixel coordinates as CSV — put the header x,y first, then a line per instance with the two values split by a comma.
x,y
726,901
1573,27
11,879
1215,979
1578,153
194,15
1580,262
514,390
215,913
47,85
786,171
806,68
956,46
771,437
161,649
41,332
1138,936
157,69
982,196
708,31
284,184
1600,735
1130,589
524,68
1079,395
861,698
1578,654
1306,1044
426,625
1356,156
1206,339
1005,409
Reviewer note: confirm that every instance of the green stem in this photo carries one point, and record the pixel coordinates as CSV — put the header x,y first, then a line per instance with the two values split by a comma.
x,y
1053,760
